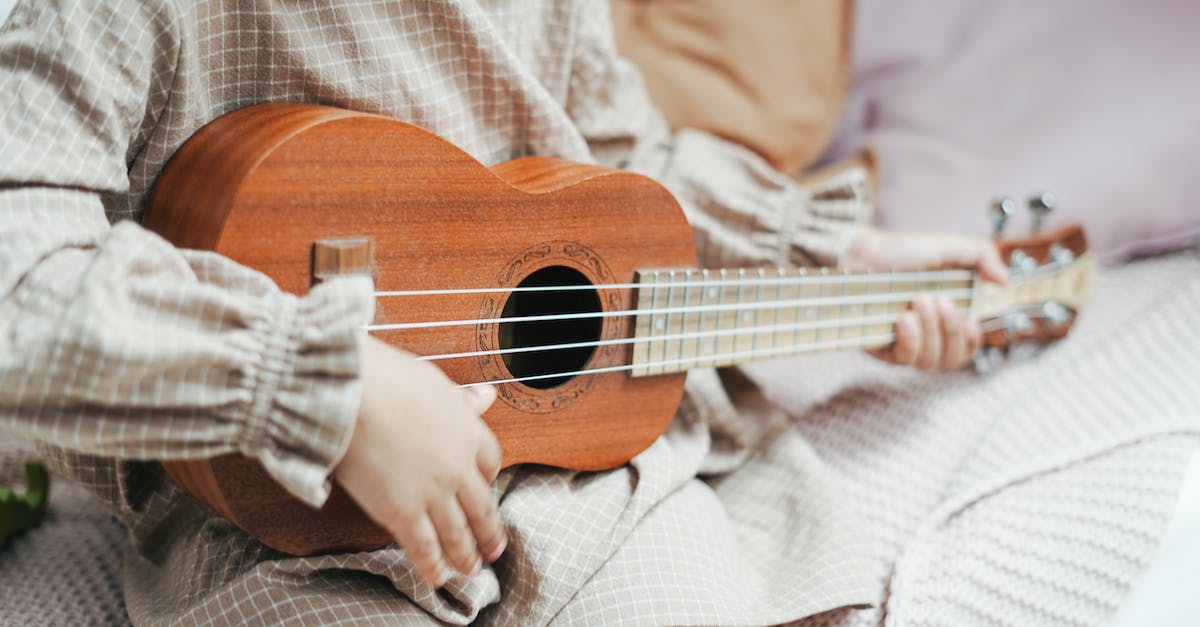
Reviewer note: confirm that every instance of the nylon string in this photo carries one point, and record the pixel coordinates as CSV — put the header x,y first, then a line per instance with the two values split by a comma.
x,y
777,351
864,299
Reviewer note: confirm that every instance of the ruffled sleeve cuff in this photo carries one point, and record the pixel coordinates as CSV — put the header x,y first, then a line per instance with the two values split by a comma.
x,y
306,389
746,213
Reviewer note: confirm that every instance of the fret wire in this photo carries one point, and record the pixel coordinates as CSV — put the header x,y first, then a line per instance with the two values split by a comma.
x,y
720,316
972,299
653,321
683,327
738,314
837,331
893,289
778,309
758,299
820,295
796,310
862,327
670,305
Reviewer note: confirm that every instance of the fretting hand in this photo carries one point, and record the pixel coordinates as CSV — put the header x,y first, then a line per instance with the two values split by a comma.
x,y
934,334
420,463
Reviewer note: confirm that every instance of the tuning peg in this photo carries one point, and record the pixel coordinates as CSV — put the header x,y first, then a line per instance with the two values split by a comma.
x,y
1055,314
1000,211
988,359
1061,256
1016,323
1040,205
1021,264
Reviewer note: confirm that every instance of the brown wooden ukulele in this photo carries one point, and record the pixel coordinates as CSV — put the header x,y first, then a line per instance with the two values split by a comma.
x,y
571,288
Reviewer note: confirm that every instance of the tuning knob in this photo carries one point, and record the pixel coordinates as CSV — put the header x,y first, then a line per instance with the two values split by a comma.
x,y
1021,264
1016,323
1061,256
1040,206
1055,314
1000,211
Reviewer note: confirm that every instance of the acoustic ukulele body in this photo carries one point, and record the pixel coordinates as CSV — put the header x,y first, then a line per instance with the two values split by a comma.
x,y
264,184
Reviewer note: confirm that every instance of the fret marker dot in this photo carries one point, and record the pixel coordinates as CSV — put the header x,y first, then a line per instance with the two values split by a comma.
x,y
746,317
712,292
811,313
660,324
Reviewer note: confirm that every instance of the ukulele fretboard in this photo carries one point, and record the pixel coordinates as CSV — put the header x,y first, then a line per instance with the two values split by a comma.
x,y
699,318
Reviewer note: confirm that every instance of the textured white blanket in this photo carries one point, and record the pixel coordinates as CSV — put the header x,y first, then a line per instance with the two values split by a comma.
x,y
1032,496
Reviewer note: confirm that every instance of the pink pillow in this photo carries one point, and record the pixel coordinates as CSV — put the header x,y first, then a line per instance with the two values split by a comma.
x,y
1097,101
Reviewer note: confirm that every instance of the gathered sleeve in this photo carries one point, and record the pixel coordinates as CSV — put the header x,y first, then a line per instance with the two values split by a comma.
x,y
742,211
112,341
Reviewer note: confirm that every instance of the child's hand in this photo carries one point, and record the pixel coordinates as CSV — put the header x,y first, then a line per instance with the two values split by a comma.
x,y
421,462
934,334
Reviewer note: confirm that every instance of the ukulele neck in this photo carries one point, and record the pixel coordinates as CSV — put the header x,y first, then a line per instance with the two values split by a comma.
x,y
701,318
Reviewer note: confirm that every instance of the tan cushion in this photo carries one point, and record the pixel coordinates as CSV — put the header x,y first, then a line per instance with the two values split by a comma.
x,y
769,74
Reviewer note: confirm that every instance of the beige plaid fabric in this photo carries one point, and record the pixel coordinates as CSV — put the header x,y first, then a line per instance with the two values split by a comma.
x,y
117,348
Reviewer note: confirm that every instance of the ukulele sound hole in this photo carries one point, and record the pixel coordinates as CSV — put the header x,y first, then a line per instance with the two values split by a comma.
x,y
550,333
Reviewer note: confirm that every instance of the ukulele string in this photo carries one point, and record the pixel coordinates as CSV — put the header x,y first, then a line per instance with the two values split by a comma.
x,y
772,328
915,278
714,280
712,360
775,351
864,299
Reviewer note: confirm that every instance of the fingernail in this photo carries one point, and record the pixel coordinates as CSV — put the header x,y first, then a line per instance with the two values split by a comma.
x,y
945,306
442,578
477,567
924,305
907,325
482,392
498,551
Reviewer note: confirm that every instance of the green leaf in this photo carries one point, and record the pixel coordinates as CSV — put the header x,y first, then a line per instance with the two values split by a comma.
x,y
21,513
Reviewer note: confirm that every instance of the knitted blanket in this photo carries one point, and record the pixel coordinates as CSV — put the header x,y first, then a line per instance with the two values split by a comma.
x,y
1034,495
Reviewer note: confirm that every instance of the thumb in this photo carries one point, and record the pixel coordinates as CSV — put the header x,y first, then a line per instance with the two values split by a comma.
x,y
480,397
991,266
977,253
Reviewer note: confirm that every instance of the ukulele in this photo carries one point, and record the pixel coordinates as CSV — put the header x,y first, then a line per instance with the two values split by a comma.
x,y
570,288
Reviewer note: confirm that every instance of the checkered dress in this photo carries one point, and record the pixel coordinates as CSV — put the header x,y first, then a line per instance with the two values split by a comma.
x,y
116,348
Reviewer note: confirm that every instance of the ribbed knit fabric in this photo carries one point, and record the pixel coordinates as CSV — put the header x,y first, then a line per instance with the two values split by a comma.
x,y
998,500
1031,496
66,571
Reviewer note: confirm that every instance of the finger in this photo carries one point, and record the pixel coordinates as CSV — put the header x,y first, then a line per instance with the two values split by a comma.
x,y
990,266
974,336
480,397
930,350
954,337
488,458
479,505
908,339
458,543
420,543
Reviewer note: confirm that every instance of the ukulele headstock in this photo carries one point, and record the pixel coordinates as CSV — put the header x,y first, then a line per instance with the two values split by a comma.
x,y
1051,277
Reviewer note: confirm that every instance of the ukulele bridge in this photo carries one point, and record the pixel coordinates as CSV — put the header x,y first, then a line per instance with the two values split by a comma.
x,y
332,258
